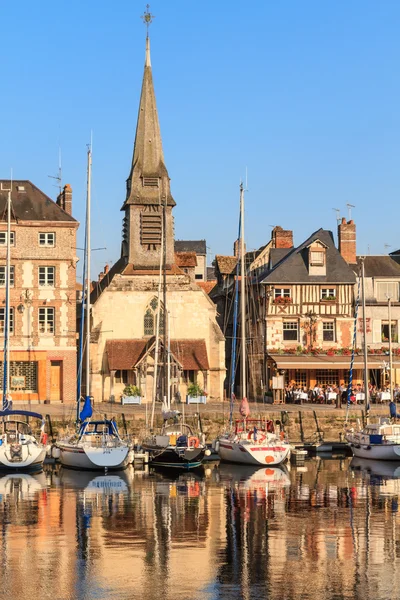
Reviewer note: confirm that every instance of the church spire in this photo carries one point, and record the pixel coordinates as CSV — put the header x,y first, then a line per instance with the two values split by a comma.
x,y
148,204
148,181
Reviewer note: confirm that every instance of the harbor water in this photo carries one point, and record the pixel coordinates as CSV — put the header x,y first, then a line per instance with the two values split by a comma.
x,y
329,530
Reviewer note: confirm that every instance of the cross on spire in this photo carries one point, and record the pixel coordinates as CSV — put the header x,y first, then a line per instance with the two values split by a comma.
x,y
147,18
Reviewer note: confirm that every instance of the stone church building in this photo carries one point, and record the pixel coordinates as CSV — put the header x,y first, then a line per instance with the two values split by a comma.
x,y
125,300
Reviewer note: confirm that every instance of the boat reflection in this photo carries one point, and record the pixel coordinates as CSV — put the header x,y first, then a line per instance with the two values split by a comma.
x,y
249,478
93,483
388,469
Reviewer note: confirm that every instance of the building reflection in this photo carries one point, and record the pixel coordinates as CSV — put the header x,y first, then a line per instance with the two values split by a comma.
x,y
226,532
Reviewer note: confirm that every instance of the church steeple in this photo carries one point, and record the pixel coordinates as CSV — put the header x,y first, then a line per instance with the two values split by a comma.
x,y
148,180
147,187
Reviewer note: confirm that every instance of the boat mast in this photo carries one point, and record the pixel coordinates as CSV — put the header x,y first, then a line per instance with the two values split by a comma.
x,y
164,252
390,348
242,293
169,364
157,344
6,374
366,390
88,281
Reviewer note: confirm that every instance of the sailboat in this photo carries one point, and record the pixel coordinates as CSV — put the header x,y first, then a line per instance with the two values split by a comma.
x,y
96,443
380,440
176,446
252,441
20,449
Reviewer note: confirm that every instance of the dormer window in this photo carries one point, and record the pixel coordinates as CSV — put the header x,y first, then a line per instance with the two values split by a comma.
x,y
317,258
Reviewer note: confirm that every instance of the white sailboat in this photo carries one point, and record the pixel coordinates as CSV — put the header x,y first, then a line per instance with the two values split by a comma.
x,y
20,449
96,443
253,441
380,440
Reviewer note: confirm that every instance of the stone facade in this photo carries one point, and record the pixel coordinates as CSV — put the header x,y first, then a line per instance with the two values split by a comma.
x,y
126,300
43,353
119,314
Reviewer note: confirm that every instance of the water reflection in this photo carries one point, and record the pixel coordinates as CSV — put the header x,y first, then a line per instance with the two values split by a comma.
x,y
328,530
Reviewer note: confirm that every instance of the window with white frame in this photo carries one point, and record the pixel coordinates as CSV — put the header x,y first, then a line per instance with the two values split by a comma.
x,y
47,239
3,238
3,320
290,331
46,319
3,275
386,289
317,258
328,293
46,276
282,292
328,331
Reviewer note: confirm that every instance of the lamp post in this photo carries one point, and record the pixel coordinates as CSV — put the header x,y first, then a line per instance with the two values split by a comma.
x,y
268,292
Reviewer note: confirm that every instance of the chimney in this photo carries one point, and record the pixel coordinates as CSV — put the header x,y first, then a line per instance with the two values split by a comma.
x,y
282,238
64,199
347,241
236,248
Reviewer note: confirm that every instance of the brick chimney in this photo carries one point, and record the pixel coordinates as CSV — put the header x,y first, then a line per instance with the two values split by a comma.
x,y
64,199
236,248
282,238
347,240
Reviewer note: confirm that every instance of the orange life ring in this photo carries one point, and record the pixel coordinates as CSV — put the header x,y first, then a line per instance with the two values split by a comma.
x,y
193,441
282,435
43,438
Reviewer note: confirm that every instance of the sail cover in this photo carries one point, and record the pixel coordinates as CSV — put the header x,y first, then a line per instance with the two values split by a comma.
x,y
87,410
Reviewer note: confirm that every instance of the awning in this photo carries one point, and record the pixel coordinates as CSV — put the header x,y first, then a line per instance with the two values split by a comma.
x,y
322,361
126,354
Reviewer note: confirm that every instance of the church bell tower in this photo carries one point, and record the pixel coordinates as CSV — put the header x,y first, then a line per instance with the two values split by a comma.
x,y
147,187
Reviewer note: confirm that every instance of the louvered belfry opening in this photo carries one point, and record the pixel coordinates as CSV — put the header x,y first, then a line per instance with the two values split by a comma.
x,y
150,229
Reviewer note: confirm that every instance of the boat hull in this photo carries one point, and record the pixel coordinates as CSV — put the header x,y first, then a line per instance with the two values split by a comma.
x,y
248,453
80,456
173,458
376,451
363,445
29,457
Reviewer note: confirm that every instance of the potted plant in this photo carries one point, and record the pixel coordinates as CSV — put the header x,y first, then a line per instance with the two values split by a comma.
x,y
195,394
131,394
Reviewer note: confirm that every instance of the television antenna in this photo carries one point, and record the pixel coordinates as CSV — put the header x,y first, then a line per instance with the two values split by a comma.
x,y
58,177
337,211
349,207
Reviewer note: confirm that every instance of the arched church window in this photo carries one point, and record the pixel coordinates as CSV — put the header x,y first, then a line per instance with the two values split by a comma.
x,y
150,317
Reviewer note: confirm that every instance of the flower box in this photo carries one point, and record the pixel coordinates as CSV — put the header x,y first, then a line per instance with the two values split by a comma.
x,y
196,399
131,400
283,300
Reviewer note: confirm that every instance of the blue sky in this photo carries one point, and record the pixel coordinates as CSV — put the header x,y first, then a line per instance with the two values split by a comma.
x,y
305,94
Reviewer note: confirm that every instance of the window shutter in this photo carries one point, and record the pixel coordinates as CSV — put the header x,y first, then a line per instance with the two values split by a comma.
x,y
377,331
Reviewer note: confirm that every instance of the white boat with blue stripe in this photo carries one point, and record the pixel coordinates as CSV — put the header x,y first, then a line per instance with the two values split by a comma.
x,y
378,441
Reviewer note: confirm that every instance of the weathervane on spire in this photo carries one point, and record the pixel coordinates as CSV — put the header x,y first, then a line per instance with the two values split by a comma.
x,y
147,18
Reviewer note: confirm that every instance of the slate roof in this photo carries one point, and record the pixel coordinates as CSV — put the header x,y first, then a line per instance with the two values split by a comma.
x,y
380,266
125,354
198,246
395,255
210,273
186,259
277,254
30,204
293,268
